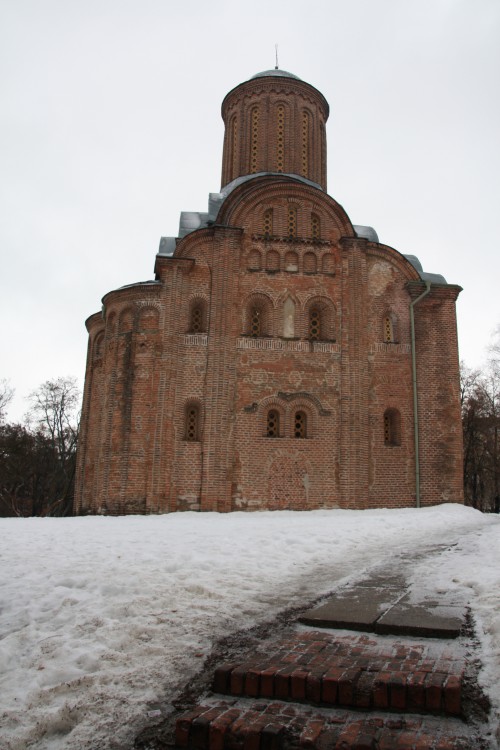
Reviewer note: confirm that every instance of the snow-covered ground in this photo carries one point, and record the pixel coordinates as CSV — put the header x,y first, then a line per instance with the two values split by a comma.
x,y
103,618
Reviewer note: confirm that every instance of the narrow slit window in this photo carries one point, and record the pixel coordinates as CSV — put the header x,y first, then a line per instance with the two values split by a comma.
x,y
292,222
255,322
196,319
280,139
254,153
315,324
315,227
268,222
392,427
388,330
305,144
192,423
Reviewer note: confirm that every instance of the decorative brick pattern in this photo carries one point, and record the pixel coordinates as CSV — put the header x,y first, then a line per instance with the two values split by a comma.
x,y
282,247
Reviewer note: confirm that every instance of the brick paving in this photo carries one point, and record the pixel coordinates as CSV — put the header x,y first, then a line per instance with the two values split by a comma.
x,y
263,725
322,690
351,671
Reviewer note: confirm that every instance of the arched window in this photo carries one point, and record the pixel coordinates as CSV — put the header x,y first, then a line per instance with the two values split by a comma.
x,y
328,263
291,262
268,222
292,222
126,322
99,345
300,424
273,423
273,261
315,324
198,317
320,320
258,316
192,423
254,261
310,263
392,427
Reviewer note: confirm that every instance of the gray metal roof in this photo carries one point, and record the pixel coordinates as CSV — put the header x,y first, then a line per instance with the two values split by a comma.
x,y
434,278
367,233
276,72
192,220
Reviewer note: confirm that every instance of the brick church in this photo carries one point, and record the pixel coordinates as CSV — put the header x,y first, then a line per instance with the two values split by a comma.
x,y
282,358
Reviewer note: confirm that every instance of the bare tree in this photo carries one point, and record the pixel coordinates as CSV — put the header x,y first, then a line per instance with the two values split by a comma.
x,y
6,396
54,412
480,391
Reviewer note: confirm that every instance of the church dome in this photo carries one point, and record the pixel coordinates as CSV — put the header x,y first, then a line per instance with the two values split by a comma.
x,y
276,73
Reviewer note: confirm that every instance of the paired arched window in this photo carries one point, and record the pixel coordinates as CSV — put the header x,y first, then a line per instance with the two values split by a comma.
x,y
392,427
299,426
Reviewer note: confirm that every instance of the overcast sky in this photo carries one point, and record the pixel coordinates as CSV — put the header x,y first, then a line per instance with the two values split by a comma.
x,y
110,126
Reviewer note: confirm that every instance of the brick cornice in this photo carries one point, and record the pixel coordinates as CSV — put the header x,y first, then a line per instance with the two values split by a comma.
x,y
276,85
132,292
94,320
438,292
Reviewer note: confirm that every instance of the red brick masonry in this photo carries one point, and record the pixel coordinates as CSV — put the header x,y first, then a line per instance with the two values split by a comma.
x,y
272,726
357,672
276,308
357,685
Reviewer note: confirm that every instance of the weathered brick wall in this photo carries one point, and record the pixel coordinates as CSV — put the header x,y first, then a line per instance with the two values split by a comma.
x,y
439,397
289,251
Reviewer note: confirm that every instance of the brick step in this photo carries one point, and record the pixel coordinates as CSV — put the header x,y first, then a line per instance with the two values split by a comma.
x,y
262,725
352,671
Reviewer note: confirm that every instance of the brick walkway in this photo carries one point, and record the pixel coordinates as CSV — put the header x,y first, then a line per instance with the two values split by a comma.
x,y
315,689
351,671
